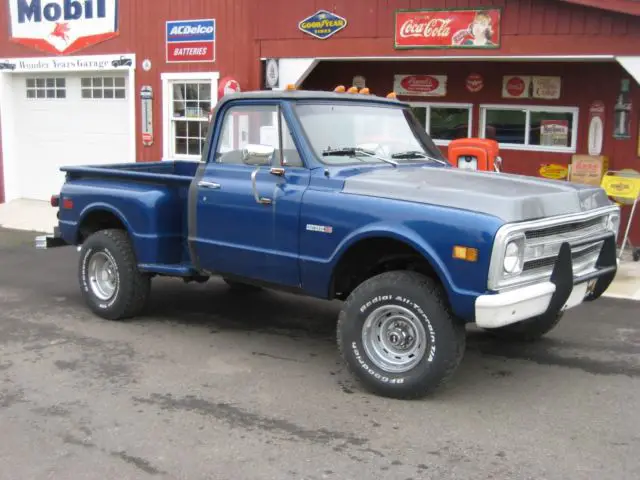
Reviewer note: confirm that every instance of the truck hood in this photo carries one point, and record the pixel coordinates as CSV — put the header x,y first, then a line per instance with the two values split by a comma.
x,y
512,198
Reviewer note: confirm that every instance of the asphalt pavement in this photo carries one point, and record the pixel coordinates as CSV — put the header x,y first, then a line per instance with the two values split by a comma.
x,y
212,385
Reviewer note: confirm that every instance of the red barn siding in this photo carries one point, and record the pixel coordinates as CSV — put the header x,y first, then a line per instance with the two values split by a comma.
x,y
142,31
529,27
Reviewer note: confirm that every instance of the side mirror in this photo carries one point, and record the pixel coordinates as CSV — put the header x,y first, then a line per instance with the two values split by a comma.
x,y
257,154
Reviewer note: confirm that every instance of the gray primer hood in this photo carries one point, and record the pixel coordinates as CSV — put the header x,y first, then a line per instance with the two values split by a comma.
x,y
512,198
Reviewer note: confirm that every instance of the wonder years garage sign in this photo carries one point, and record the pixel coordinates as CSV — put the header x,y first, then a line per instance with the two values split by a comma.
x,y
62,26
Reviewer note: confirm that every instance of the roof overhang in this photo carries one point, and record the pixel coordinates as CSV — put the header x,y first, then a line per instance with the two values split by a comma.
x,y
630,7
631,65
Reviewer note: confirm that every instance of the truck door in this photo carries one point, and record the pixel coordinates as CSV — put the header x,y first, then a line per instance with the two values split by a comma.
x,y
246,215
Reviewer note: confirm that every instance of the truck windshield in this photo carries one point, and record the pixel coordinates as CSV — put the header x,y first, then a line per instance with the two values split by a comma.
x,y
347,133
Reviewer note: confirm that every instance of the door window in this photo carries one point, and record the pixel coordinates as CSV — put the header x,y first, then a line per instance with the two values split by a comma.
x,y
256,124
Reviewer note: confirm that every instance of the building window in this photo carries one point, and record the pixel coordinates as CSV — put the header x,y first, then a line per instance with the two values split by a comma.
x,y
46,88
539,128
103,87
444,121
190,109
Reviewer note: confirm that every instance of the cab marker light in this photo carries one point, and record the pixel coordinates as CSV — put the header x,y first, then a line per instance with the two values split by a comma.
x,y
340,89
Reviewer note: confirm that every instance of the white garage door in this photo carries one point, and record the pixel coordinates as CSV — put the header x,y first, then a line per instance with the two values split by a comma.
x,y
68,119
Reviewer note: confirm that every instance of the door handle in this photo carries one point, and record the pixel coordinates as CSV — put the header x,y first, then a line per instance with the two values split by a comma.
x,y
256,195
211,185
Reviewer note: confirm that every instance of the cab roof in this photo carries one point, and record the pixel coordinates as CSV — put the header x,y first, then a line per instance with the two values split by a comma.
x,y
308,95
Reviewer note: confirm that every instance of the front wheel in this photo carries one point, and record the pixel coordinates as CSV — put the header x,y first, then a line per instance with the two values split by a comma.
x,y
398,336
110,282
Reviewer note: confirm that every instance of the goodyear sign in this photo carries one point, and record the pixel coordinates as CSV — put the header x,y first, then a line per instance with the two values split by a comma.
x,y
322,24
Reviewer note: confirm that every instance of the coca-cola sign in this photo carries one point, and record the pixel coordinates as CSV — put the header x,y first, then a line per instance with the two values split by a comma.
x,y
420,85
462,28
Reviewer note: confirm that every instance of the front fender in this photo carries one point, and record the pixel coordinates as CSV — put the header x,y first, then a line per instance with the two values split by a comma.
x,y
400,233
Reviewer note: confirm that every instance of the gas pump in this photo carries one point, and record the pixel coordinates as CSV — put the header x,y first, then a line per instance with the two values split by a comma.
x,y
475,154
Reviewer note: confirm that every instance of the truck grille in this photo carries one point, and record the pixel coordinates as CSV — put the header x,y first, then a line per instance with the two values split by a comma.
x,y
543,245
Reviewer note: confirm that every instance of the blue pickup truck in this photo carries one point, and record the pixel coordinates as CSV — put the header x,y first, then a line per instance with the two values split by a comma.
x,y
344,196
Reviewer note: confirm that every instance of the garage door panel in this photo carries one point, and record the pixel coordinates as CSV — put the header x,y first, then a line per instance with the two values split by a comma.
x,y
83,128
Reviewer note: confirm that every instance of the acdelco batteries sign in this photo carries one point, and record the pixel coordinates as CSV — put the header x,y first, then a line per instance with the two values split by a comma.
x,y
191,41
62,26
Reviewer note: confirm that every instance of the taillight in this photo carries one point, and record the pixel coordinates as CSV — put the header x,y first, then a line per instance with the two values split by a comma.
x,y
55,200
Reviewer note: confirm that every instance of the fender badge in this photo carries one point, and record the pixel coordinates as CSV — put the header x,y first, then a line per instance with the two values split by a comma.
x,y
319,228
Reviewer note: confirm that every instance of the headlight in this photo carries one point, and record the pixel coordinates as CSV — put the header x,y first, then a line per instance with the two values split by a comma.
x,y
613,223
513,258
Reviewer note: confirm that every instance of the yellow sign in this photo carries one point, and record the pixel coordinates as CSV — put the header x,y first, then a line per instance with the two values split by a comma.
x,y
622,186
554,171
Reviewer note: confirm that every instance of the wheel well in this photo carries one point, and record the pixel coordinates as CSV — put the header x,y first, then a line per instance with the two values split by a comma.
x,y
96,221
373,256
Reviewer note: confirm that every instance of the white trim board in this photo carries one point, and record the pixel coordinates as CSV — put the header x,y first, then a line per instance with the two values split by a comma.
x,y
166,79
483,58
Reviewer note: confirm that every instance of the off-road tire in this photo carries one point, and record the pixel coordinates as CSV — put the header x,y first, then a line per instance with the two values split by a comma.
x,y
529,330
425,298
133,287
239,287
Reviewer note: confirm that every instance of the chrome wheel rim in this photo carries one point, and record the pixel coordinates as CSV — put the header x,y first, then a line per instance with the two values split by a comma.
x,y
394,339
102,276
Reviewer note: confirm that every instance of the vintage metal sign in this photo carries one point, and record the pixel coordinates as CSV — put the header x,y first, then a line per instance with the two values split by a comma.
x,y
62,26
462,28
191,41
322,24
420,85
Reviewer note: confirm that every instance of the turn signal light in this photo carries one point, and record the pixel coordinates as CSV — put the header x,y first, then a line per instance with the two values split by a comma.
x,y
340,89
465,253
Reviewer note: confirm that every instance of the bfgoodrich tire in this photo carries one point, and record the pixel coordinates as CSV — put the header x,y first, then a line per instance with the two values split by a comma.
x,y
110,282
398,336
528,330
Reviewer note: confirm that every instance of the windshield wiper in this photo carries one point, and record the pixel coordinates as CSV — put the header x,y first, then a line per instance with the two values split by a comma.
x,y
416,154
354,152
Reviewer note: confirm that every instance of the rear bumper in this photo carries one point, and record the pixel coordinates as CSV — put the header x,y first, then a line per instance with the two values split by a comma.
x,y
45,242
563,290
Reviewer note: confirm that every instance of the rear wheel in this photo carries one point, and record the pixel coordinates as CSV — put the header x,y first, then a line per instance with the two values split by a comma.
x,y
398,336
528,330
110,282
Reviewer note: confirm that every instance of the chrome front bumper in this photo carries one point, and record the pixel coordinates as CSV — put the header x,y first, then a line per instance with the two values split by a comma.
x,y
561,292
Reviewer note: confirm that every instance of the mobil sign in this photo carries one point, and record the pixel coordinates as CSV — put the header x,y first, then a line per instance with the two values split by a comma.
x,y
62,26
191,41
